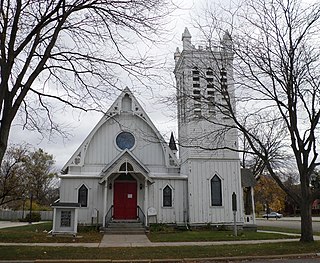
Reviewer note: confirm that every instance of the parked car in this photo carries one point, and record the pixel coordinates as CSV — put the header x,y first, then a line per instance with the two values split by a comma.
x,y
272,215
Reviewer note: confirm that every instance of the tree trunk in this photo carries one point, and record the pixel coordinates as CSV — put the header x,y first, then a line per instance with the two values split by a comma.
x,y
306,221
4,135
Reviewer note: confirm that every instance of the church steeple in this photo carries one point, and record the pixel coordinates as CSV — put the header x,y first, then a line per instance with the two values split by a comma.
x,y
226,41
186,39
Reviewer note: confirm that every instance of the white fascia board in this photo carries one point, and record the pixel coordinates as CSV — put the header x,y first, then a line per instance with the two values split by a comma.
x,y
167,176
74,176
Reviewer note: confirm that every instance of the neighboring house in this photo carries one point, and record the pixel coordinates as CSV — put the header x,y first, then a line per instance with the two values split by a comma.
x,y
316,204
125,169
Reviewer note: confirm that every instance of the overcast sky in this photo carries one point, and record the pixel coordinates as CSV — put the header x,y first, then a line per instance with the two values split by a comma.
x,y
162,116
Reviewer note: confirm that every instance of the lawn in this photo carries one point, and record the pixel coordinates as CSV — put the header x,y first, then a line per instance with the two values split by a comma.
x,y
139,253
207,235
38,233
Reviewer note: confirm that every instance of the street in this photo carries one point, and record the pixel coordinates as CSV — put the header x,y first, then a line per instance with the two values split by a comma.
x,y
289,222
294,223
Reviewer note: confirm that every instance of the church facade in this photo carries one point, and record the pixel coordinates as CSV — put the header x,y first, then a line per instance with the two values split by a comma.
x,y
125,170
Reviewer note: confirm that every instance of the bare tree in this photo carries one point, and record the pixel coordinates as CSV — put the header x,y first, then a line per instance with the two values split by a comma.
x,y
277,89
70,51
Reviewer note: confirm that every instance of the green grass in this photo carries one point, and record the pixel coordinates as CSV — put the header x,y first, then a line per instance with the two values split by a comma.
x,y
207,235
38,233
34,233
32,253
279,229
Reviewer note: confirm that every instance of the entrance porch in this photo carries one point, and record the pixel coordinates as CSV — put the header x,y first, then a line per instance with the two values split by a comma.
x,y
126,189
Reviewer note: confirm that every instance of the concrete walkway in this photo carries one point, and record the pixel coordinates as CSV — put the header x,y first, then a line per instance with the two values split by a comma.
x,y
6,224
143,241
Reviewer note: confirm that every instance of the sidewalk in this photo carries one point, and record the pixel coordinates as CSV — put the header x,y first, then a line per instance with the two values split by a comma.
x,y
112,241
143,241
6,224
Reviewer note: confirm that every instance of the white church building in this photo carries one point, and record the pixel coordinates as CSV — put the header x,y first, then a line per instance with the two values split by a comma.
x,y
125,170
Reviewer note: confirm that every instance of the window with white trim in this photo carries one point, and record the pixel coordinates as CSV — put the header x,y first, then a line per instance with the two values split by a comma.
x,y
167,196
83,196
216,191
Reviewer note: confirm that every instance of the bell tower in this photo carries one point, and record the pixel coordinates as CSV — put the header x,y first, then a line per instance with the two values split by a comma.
x,y
205,92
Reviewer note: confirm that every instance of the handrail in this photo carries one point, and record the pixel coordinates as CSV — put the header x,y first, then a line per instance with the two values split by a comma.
x,y
141,215
109,216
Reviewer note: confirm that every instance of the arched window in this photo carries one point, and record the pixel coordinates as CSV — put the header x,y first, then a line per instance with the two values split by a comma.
x,y
216,193
126,167
83,196
167,196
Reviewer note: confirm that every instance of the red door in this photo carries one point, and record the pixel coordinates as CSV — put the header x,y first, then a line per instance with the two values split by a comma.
x,y
125,200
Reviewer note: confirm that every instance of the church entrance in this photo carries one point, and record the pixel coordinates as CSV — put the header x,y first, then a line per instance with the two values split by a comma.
x,y
125,197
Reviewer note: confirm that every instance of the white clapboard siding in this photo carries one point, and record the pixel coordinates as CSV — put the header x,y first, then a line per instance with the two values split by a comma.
x,y
201,171
174,214
102,148
69,193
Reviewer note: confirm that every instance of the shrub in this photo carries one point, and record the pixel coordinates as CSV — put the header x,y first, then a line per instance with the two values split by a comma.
x,y
87,229
160,227
35,217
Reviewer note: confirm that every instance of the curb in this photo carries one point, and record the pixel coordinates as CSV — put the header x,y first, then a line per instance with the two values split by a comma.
x,y
183,260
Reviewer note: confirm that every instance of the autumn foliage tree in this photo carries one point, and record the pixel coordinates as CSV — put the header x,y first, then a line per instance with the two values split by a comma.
x,y
268,195
25,171
13,185
40,172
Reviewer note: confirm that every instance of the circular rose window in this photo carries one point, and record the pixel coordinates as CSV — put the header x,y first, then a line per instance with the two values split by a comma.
x,y
125,140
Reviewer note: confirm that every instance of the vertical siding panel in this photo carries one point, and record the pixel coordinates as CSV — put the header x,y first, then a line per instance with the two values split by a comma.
x,y
198,191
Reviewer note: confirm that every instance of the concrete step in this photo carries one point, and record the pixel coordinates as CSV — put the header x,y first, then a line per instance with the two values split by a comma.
x,y
124,227
124,232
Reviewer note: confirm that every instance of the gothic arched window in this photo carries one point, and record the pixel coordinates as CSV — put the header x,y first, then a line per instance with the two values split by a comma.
x,y
126,167
216,192
167,196
83,196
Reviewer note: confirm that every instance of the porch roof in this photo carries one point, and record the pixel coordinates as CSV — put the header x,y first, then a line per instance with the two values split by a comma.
x,y
125,156
66,205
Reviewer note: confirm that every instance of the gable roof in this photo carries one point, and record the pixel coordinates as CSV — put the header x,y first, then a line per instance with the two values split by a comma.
x,y
124,156
77,159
